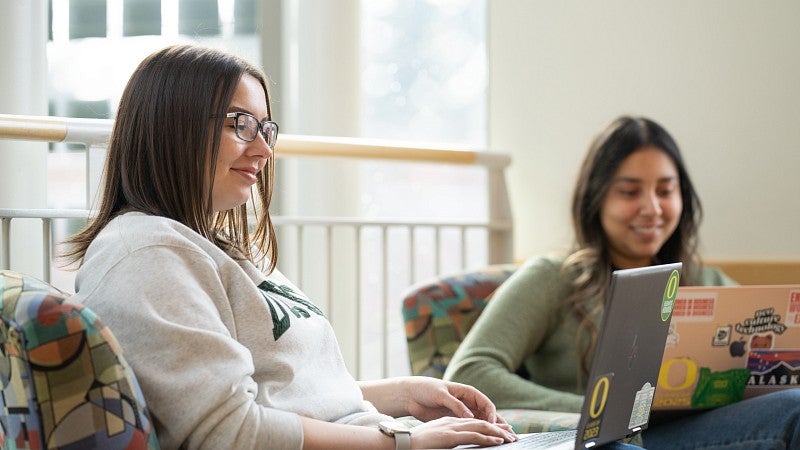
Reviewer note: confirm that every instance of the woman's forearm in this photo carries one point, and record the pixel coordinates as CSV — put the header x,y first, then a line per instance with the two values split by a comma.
x,y
386,395
323,435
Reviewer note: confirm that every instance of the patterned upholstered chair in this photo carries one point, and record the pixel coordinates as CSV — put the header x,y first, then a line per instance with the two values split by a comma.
x,y
438,313
65,384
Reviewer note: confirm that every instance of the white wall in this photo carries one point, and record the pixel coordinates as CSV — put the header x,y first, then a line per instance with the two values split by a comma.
x,y
722,76
23,91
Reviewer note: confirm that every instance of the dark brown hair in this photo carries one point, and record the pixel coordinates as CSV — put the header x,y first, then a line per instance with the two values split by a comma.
x,y
163,151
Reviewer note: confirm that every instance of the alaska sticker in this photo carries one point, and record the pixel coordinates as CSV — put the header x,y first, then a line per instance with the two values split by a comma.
x,y
597,404
670,293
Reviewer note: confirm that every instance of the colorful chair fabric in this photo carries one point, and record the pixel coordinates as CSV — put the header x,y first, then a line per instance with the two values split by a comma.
x,y
438,314
65,384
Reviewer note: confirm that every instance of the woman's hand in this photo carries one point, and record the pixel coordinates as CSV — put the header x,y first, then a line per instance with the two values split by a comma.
x,y
449,432
446,432
429,398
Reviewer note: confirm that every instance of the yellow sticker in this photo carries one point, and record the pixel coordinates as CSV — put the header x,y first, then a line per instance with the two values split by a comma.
x,y
685,370
597,404
599,396
670,293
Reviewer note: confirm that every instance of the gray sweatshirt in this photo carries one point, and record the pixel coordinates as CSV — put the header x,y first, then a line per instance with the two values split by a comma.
x,y
226,357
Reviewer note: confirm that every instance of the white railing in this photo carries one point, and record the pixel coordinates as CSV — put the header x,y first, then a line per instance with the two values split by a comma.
x,y
359,289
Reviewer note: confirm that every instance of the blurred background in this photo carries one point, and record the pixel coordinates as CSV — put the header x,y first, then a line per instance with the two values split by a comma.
x,y
533,79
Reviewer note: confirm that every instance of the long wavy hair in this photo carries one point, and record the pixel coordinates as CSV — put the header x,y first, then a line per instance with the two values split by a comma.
x,y
163,149
588,266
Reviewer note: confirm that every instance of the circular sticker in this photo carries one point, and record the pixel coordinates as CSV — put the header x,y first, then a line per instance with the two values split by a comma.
x,y
670,293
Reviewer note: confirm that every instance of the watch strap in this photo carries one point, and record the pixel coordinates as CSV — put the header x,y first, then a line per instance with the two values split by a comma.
x,y
399,431
402,440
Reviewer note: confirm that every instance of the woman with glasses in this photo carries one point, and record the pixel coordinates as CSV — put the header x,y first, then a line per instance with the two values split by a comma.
x,y
228,352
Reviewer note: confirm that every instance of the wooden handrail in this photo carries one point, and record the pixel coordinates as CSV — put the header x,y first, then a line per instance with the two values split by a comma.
x,y
33,128
96,132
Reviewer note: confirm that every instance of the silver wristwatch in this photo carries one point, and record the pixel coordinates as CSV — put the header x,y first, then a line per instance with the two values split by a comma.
x,y
399,431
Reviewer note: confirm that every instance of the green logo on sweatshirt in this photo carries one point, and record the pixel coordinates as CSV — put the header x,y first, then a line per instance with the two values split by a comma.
x,y
283,298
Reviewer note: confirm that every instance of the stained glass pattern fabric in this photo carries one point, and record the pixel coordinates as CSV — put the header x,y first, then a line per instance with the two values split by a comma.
x,y
65,384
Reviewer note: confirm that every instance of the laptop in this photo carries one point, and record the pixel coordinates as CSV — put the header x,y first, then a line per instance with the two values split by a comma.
x,y
624,372
726,344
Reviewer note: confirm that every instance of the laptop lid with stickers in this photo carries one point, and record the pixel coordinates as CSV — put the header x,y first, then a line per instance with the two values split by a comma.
x,y
729,343
628,355
627,359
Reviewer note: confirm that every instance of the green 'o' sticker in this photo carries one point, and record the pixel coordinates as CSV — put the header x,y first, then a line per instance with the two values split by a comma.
x,y
670,293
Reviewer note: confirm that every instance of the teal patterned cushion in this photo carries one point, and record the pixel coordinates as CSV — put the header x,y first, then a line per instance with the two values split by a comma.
x,y
439,313
65,384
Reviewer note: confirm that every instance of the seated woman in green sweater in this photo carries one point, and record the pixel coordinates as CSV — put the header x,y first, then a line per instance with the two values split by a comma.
x,y
634,205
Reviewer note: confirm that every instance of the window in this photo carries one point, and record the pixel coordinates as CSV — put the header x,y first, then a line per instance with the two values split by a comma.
x,y
424,70
424,79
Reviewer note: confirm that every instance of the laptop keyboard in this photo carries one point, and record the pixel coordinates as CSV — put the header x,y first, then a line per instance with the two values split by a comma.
x,y
541,440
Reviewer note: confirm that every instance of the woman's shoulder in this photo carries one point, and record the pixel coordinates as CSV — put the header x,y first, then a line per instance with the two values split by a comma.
x,y
139,230
138,221
135,236
545,265
133,244
712,276
542,273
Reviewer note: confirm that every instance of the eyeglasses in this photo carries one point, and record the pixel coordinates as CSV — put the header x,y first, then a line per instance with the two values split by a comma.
x,y
247,128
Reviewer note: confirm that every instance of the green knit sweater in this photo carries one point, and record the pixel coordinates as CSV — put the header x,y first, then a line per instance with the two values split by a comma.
x,y
525,327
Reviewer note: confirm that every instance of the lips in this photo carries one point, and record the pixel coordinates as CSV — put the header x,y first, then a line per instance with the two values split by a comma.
x,y
248,173
648,231
646,228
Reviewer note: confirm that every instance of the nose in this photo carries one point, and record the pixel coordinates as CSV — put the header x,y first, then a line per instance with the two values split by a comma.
x,y
258,148
650,204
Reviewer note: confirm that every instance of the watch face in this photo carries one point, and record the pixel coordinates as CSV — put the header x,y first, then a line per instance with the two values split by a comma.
x,y
391,428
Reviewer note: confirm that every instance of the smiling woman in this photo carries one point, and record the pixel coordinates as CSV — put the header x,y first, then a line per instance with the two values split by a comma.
x,y
634,205
245,146
642,207
172,233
